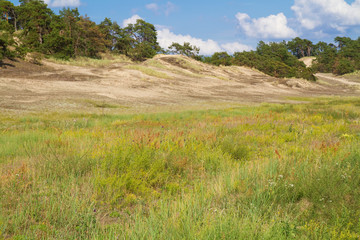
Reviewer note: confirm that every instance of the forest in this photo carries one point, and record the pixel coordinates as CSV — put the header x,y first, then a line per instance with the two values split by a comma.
x,y
32,27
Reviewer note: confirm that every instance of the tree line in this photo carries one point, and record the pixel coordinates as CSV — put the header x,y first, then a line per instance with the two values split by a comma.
x,y
282,59
33,27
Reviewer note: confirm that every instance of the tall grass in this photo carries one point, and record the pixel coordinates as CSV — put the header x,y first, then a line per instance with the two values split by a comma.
x,y
267,172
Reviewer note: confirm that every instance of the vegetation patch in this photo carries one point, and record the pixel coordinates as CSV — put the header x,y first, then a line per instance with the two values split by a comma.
x,y
149,71
103,104
272,171
92,62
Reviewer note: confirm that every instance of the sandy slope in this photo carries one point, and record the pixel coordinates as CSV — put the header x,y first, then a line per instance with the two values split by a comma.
x,y
163,80
307,60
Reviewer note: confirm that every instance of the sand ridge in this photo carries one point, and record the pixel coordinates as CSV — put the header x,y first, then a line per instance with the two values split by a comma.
x,y
163,80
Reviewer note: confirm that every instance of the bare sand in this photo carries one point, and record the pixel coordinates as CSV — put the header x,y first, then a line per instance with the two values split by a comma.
x,y
162,81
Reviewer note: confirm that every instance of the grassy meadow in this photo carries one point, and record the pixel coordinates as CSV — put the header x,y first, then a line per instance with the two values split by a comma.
x,y
249,172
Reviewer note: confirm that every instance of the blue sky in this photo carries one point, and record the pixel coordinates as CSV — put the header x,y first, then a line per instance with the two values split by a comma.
x,y
229,25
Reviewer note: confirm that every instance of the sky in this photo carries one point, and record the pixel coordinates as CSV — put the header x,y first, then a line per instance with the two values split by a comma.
x,y
228,25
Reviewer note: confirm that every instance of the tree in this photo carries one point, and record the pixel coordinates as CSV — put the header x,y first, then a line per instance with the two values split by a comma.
x,y
319,48
141,38
89,40
221,58
70,17
35,18
3,46
309,47
6,40
8,16
186,49
112,32
343,42
300,47
343,66
58,43
275,60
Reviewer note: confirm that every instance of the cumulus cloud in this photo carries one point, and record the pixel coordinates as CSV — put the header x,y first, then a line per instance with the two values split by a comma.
x,y
207,47
336,14
131,20
273,26
235,47
63,3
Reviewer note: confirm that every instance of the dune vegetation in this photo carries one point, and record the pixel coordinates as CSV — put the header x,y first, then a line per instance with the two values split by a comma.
x,y
257,172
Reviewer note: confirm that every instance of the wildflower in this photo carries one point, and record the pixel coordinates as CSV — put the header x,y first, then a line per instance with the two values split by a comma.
x,y
291,185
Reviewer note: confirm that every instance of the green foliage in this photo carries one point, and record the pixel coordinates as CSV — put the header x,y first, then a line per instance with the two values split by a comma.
x,y
343,66
341,59
35,19
57,43
3,47
112,33
6,41
301,47
8,16
221,58
89,41
186,49
142,40
274,60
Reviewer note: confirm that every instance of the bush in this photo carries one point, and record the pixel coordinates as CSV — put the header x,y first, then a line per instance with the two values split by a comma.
x,y
343,66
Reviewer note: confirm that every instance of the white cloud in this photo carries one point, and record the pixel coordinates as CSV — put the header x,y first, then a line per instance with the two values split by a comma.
x,y
63,3
131,20
170,7
207,47
336,14
152,7
235,47
166,9
273,26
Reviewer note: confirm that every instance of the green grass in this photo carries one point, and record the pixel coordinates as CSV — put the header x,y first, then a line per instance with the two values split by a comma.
x,y
267,172
356,73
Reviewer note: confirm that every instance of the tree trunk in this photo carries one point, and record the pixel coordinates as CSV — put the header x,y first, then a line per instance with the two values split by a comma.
x,y
302,52
15,20
40,35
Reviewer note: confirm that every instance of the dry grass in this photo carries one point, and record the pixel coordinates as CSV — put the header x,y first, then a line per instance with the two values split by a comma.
x,y
105,60
149,71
